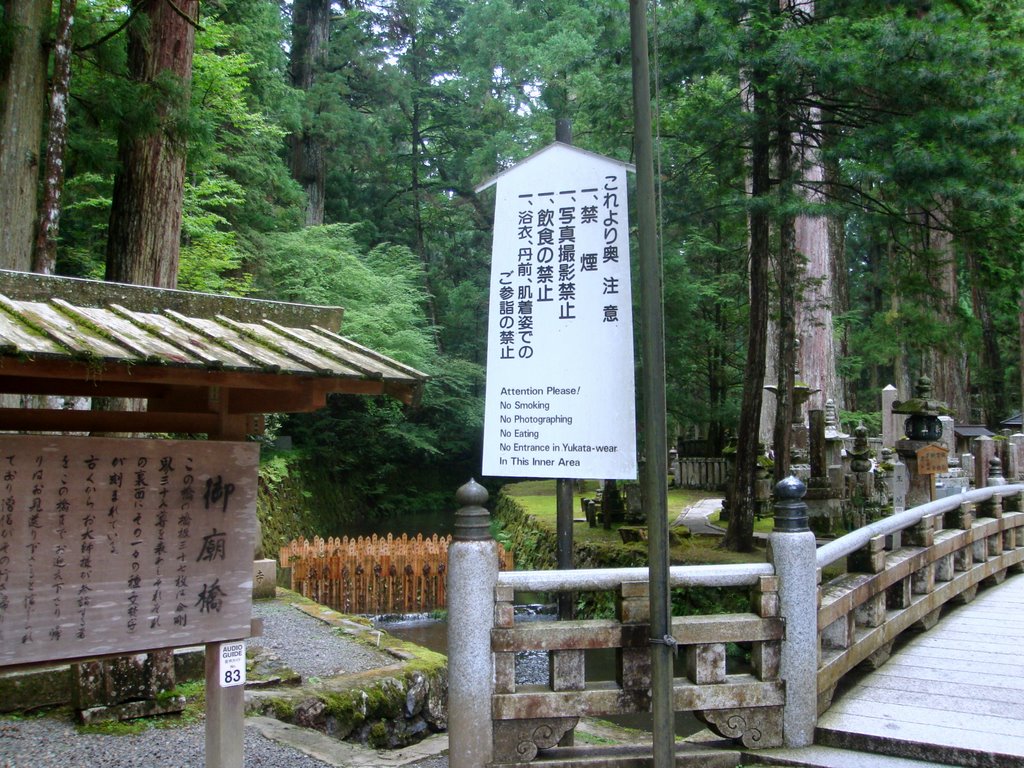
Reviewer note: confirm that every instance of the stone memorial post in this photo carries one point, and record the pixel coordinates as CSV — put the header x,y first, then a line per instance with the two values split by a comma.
x,y
892,425
1015,451
791,548
948,435
472,578
984,448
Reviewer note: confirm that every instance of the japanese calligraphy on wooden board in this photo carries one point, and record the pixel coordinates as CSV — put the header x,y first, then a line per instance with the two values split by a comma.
x,y
560,393
932,460
116,546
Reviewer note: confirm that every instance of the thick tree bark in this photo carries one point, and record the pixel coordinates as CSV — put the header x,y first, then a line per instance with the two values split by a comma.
x,y
788,281
45,258
311,34
947,364
145,220
815,241
23,94
993,393
838,298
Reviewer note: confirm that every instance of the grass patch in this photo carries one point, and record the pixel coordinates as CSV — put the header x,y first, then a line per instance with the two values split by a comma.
x,y
537,498
761,525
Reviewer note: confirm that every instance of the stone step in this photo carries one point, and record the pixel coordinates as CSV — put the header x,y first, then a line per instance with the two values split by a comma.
x,y
631,756
938,744
828,757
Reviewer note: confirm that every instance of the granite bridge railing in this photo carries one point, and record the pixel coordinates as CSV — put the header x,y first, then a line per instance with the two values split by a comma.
x,y
803,635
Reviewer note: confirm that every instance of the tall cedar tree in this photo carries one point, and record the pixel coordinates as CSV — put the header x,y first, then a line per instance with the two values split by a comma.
x,y
311,35
22,100
45,257
144,237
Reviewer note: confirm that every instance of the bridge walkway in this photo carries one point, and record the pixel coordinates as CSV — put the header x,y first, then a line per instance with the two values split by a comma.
x,y
953,695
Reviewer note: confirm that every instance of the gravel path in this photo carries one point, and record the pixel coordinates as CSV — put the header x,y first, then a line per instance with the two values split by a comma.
x,y
308,646
45,742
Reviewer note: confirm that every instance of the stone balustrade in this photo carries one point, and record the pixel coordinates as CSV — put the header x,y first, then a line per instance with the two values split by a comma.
x,y
804,635
528,718
901,571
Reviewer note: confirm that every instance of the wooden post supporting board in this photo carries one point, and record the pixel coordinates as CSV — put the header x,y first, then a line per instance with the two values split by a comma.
x,y
225,704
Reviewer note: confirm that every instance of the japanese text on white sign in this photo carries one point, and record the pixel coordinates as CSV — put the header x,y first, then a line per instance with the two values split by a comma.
x,y
560,393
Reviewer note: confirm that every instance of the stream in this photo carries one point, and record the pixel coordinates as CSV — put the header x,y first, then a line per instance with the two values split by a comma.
x,y
531,666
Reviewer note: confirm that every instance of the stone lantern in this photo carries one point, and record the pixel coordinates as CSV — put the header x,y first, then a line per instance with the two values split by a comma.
x,y
920,451
800,440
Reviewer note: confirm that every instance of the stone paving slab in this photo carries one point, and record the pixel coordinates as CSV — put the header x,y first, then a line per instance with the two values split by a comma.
x,y
344,754
827,757
954,694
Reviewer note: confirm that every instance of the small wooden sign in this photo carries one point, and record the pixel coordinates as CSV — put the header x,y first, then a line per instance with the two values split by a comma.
x,y
932,459
116,546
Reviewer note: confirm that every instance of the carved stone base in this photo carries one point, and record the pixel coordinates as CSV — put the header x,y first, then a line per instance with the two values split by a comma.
x,y
519,741
753,727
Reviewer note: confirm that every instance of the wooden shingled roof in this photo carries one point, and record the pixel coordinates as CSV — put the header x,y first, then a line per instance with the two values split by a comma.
x,y
203,363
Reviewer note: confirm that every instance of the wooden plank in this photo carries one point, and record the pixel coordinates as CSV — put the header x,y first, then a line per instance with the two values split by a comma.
x,y
96,556
144,345
16,338
283,343
356,354
79,340
212,355
60,420
962,665
258,355
31,385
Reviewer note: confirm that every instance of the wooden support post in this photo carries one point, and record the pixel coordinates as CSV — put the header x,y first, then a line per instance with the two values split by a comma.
x,y
225,716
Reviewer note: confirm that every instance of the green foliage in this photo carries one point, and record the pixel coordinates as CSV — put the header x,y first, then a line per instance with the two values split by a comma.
x,y
915,109
379,288
872,420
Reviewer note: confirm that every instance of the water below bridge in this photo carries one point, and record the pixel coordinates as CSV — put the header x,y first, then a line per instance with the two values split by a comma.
x,y
532,666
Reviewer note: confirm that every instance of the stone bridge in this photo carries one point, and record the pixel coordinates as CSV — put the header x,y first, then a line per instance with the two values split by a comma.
x,y
804,636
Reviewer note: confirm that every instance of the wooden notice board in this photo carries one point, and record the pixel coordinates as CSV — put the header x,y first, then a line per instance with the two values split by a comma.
x,y
117,546
932,460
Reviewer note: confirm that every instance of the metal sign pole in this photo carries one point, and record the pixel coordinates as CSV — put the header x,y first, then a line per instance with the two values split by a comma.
x,y
655,466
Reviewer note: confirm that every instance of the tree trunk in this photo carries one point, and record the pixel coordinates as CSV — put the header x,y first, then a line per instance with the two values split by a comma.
x,y
311,34
1020,358
814,242
837,300
45,260
991,384
788,281
23,94
947,364
742,499
145,219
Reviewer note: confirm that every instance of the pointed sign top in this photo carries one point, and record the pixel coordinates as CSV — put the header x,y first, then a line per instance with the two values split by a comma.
x,y
556,146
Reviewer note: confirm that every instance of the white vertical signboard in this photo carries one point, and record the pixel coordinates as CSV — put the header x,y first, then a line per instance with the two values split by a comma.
x,y
560,392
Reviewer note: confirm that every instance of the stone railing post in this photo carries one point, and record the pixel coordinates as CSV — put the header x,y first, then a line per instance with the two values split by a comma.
x,y
472,578
791,549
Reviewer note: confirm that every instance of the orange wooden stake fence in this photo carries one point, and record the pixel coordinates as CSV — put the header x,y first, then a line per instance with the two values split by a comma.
x,y
373,574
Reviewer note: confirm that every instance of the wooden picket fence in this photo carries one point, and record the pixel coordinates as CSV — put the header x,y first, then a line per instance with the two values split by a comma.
x,y
373,574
